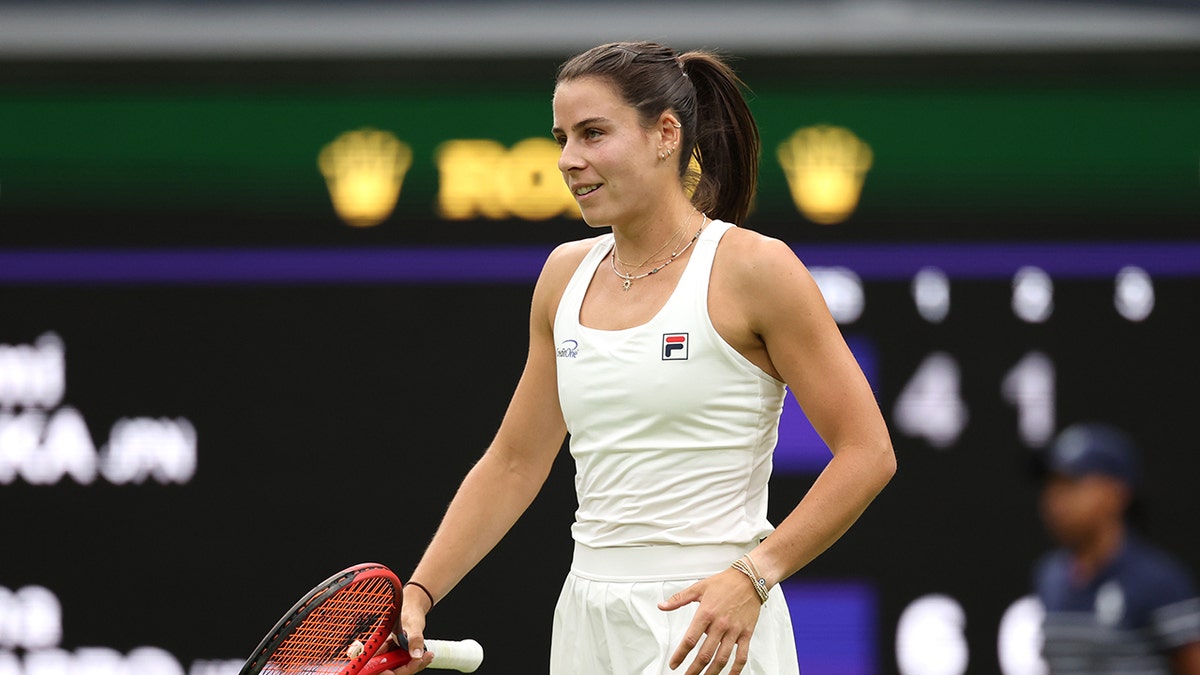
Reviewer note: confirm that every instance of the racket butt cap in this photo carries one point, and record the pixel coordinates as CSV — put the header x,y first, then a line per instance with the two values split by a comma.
x,y
461,655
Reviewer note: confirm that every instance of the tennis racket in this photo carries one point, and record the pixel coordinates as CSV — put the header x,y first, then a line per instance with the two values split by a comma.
x,y
337,627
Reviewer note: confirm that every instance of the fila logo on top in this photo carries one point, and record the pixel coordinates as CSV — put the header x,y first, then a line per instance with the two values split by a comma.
x,y
675,347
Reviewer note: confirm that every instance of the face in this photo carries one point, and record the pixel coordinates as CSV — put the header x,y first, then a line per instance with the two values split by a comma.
x,y
1076,508
609,160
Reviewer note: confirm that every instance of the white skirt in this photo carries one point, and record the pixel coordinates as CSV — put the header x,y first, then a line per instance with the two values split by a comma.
x,y
607,621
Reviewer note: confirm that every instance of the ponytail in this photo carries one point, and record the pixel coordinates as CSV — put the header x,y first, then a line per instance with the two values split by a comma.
x,y
703,91
727,144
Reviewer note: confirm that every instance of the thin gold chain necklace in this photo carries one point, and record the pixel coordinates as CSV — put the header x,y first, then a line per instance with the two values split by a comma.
x,y
674,237
630,278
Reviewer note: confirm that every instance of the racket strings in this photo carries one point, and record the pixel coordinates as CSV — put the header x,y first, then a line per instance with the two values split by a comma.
x,y
363,611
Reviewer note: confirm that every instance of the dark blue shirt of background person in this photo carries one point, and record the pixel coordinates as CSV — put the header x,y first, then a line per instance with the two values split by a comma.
x,y
1114,602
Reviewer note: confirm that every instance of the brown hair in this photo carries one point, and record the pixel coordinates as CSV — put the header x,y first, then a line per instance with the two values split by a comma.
x,y
706,95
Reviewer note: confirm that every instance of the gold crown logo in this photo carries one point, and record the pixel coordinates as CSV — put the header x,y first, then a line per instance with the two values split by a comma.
x,y
825,168
364,170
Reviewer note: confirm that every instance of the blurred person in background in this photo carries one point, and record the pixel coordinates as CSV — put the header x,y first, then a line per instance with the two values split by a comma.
x,y
1115,603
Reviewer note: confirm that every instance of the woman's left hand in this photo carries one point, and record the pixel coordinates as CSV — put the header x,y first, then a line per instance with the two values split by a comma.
x,y
728,612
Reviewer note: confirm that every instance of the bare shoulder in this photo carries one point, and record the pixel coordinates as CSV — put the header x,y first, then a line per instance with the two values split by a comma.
x,y
565,258
764,282
761,298
556,272
750,260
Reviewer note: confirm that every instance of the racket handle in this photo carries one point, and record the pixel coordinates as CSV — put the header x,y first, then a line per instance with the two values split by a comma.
x,y
461,655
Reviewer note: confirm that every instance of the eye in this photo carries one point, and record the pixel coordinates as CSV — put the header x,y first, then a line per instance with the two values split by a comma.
x,y
561,140
593,134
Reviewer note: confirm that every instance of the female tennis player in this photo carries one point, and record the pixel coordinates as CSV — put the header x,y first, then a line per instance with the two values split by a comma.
x,y
664,349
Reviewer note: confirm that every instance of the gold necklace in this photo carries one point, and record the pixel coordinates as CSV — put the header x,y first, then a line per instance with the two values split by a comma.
x,y
645,262
630,278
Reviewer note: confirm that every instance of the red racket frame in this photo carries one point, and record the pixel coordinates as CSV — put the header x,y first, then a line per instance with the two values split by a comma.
x,y
301,639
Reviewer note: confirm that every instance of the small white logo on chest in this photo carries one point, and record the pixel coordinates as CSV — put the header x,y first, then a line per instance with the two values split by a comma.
x,y
569,349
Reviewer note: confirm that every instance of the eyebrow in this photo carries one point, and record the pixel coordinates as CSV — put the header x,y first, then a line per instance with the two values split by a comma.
x,y
580,124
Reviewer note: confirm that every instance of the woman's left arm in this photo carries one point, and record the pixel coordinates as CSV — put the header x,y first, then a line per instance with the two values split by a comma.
x,y
799,342
765,303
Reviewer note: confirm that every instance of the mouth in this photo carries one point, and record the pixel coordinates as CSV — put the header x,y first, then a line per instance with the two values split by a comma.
x,y
584,190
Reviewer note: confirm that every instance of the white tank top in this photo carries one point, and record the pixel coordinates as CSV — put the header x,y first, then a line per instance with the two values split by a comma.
x,y
672,430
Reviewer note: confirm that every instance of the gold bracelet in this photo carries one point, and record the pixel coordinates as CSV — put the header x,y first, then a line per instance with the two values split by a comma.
x,y
760,584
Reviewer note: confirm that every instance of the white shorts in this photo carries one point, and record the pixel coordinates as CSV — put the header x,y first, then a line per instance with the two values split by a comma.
x,y
607,621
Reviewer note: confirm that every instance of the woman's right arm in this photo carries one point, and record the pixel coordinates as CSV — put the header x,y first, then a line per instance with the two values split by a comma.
x,y
504,482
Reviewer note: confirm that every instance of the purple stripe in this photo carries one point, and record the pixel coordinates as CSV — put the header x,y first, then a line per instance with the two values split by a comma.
x,y
1002,260
446,265
290,266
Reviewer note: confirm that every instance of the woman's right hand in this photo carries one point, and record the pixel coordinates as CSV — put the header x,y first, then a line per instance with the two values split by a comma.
x,y
412,626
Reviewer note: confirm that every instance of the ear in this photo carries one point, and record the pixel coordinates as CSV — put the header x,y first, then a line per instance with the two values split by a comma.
x,y
670,131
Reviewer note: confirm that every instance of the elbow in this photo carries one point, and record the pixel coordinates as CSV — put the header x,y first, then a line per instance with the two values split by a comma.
x,y
885,463
873,462
889,464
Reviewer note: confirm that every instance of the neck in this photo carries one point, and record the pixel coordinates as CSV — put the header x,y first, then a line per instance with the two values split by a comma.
x,y
1093,555
652,236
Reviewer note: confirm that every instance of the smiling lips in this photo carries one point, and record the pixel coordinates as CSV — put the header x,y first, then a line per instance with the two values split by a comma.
x,y
585,189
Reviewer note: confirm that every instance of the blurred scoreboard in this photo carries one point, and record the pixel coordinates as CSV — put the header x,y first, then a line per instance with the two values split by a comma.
x,y
278,154
223,287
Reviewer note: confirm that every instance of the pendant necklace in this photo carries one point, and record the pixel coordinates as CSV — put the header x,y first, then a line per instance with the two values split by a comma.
x,y
628,279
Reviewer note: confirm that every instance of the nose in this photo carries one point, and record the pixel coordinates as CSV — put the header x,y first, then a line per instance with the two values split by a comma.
x,y
569,159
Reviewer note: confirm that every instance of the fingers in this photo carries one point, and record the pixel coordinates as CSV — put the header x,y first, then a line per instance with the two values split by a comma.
x,y
414,666
404,662
412,638
716,653
704,637
685,597
416,647
695,630
714,659
719,632
412,627
717,647
686,645
741,656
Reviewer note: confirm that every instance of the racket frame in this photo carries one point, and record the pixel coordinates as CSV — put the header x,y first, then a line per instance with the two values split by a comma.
x,y
314,599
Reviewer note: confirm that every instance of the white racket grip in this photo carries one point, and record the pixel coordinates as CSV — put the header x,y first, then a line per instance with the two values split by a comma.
x,y
461,655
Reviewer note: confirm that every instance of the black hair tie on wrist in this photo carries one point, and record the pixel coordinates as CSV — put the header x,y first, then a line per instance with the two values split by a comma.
x,y
425,591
